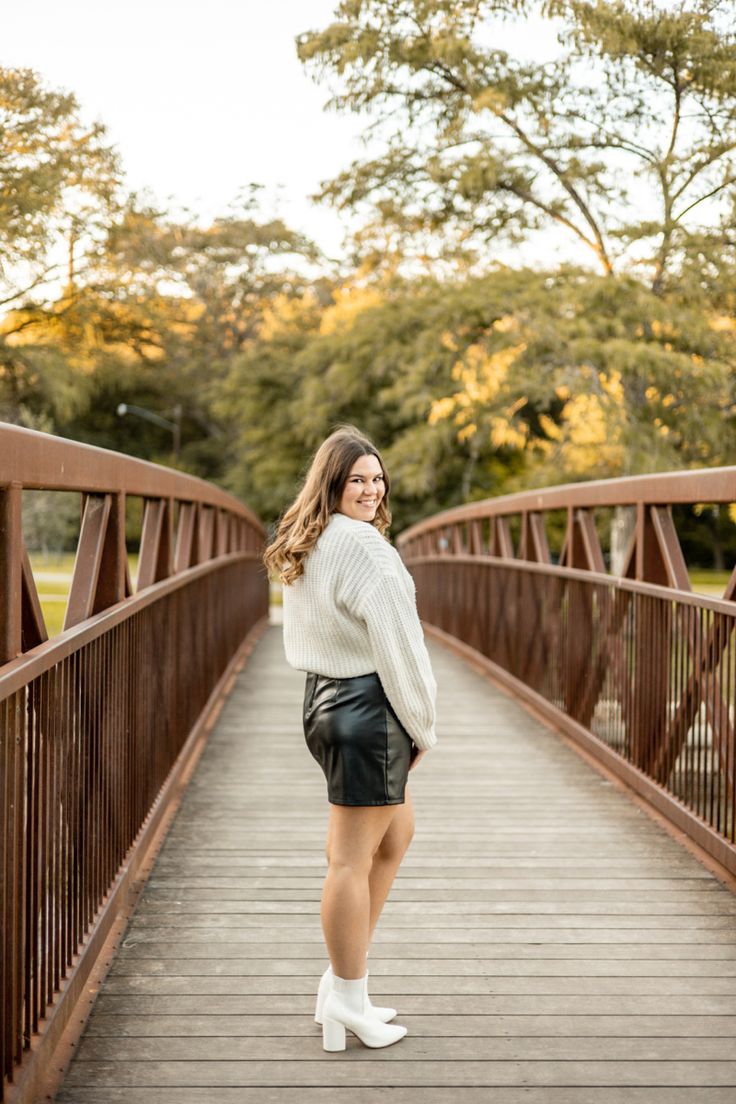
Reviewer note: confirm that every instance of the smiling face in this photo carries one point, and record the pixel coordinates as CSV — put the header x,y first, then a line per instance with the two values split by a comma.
x,y
363,490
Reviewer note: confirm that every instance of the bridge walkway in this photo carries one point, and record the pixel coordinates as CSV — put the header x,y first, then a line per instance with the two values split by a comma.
x,y
545,942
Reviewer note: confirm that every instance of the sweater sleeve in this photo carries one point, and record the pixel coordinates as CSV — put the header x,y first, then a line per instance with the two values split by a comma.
x,y
400,655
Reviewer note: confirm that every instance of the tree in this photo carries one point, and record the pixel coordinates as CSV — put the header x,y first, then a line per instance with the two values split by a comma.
x,y
626,141
594,377
212,286
484,385
162,306
59,178
59,187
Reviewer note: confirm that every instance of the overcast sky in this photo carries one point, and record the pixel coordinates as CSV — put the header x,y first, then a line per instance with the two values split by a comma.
x,y
203,97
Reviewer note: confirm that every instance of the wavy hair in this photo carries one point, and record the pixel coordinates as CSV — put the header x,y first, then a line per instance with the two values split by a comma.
x,y
301,524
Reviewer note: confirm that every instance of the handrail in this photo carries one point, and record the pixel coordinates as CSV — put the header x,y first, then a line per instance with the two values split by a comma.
x,y
40,460
632,664
681,487
551,570
99,725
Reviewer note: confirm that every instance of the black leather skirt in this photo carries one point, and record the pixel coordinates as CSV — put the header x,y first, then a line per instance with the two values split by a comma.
x,y
357,739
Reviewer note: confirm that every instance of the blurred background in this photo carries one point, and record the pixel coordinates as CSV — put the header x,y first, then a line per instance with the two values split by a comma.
x,y
497,237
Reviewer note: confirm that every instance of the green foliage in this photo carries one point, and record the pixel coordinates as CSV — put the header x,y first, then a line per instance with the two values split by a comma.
x,y
161,308
472,382
54,170
626,141
487,385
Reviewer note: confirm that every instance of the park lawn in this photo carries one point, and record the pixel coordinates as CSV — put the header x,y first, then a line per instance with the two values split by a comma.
x,y
276,592
53,575
53,615
709,582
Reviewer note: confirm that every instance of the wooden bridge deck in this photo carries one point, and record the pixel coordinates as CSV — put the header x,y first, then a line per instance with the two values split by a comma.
x,y
545,941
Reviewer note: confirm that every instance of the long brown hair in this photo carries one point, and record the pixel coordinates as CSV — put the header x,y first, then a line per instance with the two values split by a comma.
x,y
301,524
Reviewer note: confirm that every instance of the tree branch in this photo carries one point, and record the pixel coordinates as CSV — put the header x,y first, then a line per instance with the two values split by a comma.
x,y
703,164
24,291
708,195
598,244
529,197
675,120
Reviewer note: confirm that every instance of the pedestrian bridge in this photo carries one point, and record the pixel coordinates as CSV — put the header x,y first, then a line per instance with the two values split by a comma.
x,y
563,928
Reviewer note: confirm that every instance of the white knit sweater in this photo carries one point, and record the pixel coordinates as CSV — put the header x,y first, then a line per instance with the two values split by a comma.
x,y
354,611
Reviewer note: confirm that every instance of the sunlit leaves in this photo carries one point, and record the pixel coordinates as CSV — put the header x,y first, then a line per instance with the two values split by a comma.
x,y
479,386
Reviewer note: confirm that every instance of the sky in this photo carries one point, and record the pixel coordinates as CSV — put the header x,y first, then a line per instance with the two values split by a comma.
x,y
202,98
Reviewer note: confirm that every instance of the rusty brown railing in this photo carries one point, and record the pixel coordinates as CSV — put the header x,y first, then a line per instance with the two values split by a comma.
x,y
96,723
634,666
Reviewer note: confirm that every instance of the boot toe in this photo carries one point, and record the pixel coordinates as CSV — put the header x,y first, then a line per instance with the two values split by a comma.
x,y
398,1032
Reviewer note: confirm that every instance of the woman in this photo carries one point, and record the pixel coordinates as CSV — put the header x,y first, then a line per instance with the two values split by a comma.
x,y
351,622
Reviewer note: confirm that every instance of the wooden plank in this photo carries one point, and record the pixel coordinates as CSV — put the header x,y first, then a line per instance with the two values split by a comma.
x,y
372,1072
543,940
218,868
438,1004
445,984
224,888
498,951
105,1024
462,1094
452,1048
445,902
125,965
459,928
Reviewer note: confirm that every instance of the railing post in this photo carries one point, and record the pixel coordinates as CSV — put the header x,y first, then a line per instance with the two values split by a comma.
x,y
582,550
11,571
11,561
658,560
155,561
187,536
100,577
533,546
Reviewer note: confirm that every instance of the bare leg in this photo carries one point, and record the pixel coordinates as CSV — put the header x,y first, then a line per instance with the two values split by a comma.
x,y
354,834
388,856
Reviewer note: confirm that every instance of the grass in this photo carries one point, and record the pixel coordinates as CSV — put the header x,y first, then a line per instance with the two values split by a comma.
x,y
53,575
709,582
276,592
53,615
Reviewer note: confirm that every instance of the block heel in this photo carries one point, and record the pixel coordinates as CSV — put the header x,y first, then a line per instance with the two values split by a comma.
x,y
333,1035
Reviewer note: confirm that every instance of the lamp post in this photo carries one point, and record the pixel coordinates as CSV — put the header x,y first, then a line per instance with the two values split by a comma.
x,y
157,419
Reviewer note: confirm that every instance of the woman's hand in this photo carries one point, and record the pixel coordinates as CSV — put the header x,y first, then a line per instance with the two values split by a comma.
x,y
416,756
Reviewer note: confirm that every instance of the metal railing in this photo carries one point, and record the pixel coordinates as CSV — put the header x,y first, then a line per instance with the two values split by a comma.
x,y
635,666
95,722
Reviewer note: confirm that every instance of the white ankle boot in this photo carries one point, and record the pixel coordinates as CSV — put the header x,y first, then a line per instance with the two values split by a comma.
x,y
325,984
347,1006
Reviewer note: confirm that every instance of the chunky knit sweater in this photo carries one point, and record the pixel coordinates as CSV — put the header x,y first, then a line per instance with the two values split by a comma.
x,y
354,611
